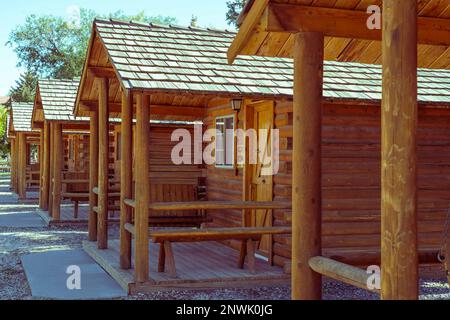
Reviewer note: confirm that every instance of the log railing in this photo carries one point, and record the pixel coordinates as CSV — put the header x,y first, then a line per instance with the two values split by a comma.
x,y
212,205
341,272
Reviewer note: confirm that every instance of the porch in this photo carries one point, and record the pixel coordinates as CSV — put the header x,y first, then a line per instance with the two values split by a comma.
x,y
200,265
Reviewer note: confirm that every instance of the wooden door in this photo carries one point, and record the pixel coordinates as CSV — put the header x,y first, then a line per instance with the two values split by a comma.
x,y
261,185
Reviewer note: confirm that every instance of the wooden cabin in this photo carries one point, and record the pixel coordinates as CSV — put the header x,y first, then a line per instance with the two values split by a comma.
x,y
64,171
380,176
25,155
182,74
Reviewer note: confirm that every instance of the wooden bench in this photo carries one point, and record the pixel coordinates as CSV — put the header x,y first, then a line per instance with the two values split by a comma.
x,y
75,189
173,193
247,235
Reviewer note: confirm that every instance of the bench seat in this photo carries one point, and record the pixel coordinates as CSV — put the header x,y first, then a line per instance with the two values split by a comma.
x,y
248,236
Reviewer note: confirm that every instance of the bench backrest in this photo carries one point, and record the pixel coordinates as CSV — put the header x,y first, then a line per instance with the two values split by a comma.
x,y
173,193
77,187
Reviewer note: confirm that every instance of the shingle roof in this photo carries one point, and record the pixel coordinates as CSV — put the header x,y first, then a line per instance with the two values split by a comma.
x,y
21,116
166,58
58,98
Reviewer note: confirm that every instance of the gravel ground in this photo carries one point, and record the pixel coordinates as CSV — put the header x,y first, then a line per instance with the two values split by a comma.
x,y
18,241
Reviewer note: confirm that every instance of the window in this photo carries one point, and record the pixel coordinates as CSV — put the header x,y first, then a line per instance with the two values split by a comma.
x,y
225,141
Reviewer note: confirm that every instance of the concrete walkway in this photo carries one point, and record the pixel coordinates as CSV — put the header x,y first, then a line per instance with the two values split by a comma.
x,y
14,214
68,274
45,255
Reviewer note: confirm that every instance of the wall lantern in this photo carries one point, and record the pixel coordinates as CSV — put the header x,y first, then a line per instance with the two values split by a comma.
x,y
236,104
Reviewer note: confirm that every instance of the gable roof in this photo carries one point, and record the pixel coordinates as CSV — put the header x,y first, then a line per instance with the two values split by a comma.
x,y
21,113
159,58
58,98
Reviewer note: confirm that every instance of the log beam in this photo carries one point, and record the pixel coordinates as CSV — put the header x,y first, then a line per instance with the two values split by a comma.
x,y
126,178
306,164
344,23
399,258
142,188
103,163
93,175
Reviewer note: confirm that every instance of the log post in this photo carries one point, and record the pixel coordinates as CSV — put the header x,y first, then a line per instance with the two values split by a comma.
x,y
399,258
52,168
306,164
93,175
57,167
45,187
41,169
126,178
22,166
103,163
142,188
13,166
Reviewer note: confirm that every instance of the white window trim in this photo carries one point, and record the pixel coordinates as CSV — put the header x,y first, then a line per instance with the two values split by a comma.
x,y
225,166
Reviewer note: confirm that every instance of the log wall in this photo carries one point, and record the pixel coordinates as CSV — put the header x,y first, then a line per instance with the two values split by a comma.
x,y
351,160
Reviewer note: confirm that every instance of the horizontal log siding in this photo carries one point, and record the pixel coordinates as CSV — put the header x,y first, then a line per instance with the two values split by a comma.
x,y
351,178
224,184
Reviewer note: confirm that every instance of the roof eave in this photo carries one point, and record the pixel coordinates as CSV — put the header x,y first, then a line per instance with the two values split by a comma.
x,y
252,17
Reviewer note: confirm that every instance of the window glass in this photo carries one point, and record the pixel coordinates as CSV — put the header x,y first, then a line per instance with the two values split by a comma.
x,y
225,141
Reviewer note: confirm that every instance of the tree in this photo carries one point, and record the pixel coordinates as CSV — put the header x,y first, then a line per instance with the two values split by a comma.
x,y
234,10
4,146
49,46
25,88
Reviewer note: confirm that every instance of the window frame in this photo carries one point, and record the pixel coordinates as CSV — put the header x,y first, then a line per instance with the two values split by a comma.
x,y
232,116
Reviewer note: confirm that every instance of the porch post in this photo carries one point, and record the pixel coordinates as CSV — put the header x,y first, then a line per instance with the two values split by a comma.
x,y
93,175
142,188
45,187
306,164
58,166
399,258
13,166
103,163
41,168
52,168
126,177
22,165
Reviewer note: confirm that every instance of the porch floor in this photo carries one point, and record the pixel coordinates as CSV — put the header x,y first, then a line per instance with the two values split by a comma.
x,y
199,265
67,217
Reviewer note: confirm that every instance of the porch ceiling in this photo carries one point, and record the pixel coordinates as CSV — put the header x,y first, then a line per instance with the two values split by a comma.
x,y
267,30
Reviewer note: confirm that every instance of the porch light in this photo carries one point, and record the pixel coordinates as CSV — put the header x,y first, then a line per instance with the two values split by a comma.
x,y
236,104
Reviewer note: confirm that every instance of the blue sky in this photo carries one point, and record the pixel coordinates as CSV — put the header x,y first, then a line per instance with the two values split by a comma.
x,y
210,13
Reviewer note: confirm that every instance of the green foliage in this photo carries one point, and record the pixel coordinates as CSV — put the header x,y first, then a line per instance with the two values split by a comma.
x,y
52,47
4,145
234,10
49,46
24,88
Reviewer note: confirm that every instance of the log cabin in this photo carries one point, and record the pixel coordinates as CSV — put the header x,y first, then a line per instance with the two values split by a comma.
x,y
147,71
25,146
411,34
65,139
